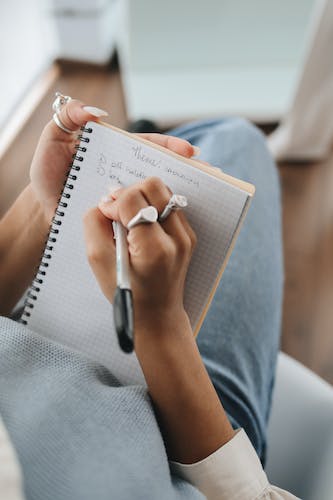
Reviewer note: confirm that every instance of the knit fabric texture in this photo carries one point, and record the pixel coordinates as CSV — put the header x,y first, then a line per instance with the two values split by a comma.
x,y
78,434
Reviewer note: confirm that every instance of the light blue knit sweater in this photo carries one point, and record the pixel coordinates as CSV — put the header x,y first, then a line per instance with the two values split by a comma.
x,y
78,434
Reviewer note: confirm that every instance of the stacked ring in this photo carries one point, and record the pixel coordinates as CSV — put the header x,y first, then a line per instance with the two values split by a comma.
x,y
150,214
176,201
59,102
144,216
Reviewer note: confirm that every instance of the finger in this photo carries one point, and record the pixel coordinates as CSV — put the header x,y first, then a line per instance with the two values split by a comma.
x,y
113,193
129,201
153,192
188,229
142,238
158,194
175,144
207,164
73,116
100,250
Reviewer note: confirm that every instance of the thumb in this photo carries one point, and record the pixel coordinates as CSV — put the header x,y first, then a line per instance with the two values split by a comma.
x,y
72,115
101,250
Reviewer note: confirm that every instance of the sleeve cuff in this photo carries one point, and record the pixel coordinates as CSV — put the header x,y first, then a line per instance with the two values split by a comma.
x,y
233,471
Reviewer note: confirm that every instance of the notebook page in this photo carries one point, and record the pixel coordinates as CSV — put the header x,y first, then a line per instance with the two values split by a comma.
x,y
70,307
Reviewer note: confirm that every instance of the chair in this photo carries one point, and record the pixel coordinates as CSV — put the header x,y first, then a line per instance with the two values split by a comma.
x,y
300,432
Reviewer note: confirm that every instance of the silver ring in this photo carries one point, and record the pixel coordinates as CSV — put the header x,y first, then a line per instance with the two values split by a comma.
x,y
59,102
146,215
58,122
176,201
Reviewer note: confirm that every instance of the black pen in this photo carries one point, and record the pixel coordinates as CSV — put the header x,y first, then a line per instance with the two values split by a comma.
x,y
123,299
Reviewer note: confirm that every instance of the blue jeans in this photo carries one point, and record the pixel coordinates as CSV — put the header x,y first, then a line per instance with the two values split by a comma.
x,y
239,339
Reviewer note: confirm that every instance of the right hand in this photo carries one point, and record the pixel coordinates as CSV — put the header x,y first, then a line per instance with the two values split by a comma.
x,y
159,254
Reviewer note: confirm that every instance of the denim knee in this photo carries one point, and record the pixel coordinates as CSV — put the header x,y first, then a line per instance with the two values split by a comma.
x,y
239,148
245,130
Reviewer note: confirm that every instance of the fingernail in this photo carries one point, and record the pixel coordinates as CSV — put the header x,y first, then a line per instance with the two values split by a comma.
x,y
105,199
196,150
95,111
112,189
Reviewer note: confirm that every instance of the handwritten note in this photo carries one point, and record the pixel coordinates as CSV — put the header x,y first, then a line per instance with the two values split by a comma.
x,y
140,166
144,158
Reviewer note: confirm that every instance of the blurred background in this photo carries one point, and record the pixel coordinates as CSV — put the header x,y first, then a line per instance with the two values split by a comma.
x,y
177,61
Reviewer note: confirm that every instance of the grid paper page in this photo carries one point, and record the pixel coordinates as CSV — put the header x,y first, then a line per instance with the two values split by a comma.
x,y
70,308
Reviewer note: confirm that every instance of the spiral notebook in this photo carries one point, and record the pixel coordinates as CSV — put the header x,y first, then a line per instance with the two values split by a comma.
x,y
65,302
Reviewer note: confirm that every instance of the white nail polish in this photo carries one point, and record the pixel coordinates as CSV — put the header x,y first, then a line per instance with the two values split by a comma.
x,y
105,199
95,111
196,150
112,188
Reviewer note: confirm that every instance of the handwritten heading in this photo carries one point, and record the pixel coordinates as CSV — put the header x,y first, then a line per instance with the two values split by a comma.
x,y
116,169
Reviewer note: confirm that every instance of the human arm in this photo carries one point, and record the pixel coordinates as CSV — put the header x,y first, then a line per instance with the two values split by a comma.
x,y
189,411
23,231
196,431
24,228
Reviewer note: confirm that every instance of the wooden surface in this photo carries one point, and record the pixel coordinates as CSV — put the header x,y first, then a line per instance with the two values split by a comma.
x,y
307,216
307,192
98,86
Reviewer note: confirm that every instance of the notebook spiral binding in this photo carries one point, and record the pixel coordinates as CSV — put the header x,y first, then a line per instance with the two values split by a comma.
x,y
72,176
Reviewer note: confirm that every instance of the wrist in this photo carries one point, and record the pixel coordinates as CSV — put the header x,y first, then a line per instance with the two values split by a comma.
x,y
166,323
44,218
23,231
162,336
188,410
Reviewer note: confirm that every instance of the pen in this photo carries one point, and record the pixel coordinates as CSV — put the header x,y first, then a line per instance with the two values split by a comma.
x,y
123,299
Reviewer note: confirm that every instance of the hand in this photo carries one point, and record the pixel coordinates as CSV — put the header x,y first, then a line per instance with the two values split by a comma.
x,y
55,149
54,155
159,254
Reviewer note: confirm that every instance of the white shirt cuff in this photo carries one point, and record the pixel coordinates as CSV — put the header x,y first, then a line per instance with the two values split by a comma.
x,y
232,472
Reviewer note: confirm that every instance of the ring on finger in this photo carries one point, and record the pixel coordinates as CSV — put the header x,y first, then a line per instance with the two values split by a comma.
x,y
176,201
146,215
59,102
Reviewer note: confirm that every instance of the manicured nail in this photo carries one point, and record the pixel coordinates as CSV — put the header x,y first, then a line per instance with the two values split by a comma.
x,y
95,111
113,189
105,199
196,150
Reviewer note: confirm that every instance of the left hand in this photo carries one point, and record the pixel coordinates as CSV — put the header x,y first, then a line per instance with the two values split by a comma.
x,y
53,156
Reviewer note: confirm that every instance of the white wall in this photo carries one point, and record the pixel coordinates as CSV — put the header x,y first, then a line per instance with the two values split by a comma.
x,y
26,49
216,33
189,59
